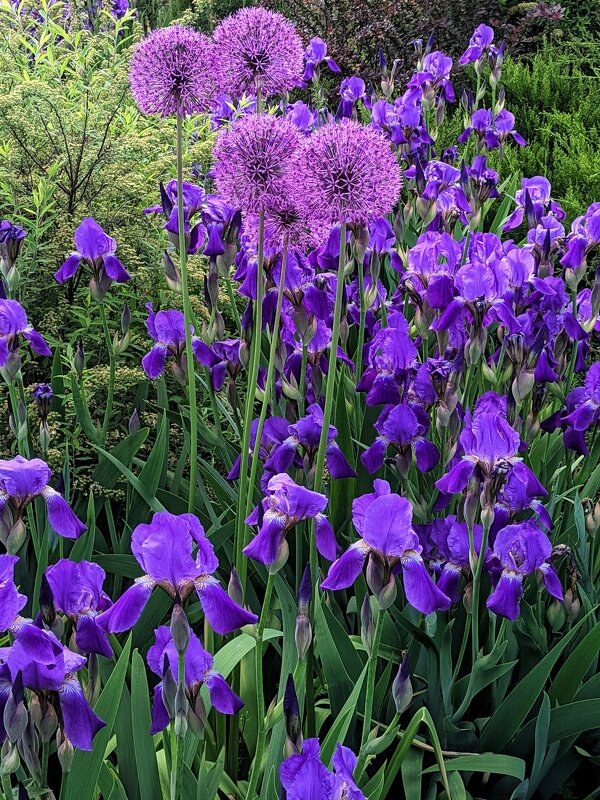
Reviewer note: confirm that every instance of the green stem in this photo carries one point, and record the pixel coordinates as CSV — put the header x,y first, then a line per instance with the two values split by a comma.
x,y
240,534
44,780
330,386
187,316
7,787
371,672
252,792
177,741
477,586
111,377
269,384
302,386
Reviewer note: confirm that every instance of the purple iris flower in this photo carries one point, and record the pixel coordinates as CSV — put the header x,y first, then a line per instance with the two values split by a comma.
x,y
77,593
481,122
479,44
305,777
391,356
432,265
306,434
11,602
533,202
586,401
11,241
14,324
315,55
285,506
275,431
433,76
198,671
520,550
351,91
389,544
96,250
167,329
20,482
48,668
164,550
490,447
503,127
583,238
404,428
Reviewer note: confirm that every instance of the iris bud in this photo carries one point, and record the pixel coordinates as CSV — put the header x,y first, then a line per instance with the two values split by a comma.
x,y
180,629
9,758
402,689
293,723
367,628
65,751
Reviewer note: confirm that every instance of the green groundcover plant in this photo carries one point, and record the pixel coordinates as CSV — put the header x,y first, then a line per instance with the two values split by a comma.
x,y
300,489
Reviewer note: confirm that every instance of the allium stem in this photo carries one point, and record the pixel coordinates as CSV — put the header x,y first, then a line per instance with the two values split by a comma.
x,y
240,561
187,316
252,792
330,385
111,376
269,384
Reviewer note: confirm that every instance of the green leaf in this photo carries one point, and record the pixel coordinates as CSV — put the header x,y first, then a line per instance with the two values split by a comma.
x,y
485,762
85,770
83,413
135,482
106,473
564,687
145,755
150,477
339,729
514,709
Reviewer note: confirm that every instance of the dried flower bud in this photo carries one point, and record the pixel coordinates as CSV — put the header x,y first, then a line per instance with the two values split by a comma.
x,y
572,605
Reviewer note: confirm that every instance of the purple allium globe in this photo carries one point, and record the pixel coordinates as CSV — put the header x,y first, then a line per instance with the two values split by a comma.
x,y
257,50
347,174
170,72
253,161
286,224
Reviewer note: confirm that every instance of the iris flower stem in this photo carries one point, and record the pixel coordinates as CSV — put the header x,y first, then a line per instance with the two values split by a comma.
x,y
7,786
252,792
44,777
371,672
243,488
302,385
21,388
330,385
177,741
187,317
111,376
476,589
232,303
269,383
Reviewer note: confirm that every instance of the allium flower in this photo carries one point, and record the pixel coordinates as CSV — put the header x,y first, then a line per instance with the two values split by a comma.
x,y
314,55
254,162
167,329
305,777
14,324
390,545
20,482
198,671
257,51
171,72
48,668
347,173
480,42
11,602
520,550
178,575
77,593
96,250
286,505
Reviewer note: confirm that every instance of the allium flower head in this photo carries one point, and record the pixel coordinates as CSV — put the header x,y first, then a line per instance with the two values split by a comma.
x,y
257,49
170,72
254,162
348,173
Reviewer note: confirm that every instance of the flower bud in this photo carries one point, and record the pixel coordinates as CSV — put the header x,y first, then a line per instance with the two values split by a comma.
x,y
15,716
181,711
283,552
9,758
65,751
29,745
293,724
468,598
557,615
169,689
79,358
125,319
172,275
592,518
367,628
44,718
16,537
134,421
234,588
387,596
402,689
180,629
572,605
47,602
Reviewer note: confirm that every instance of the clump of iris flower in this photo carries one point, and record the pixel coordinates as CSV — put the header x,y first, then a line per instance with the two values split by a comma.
x,y
167,329
13,326
315,55
49,669
21,481
304,776
520,550
77,593
390,545
254,164
347,173
257,51
96,250
189,568
198,672
170,72
285,506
